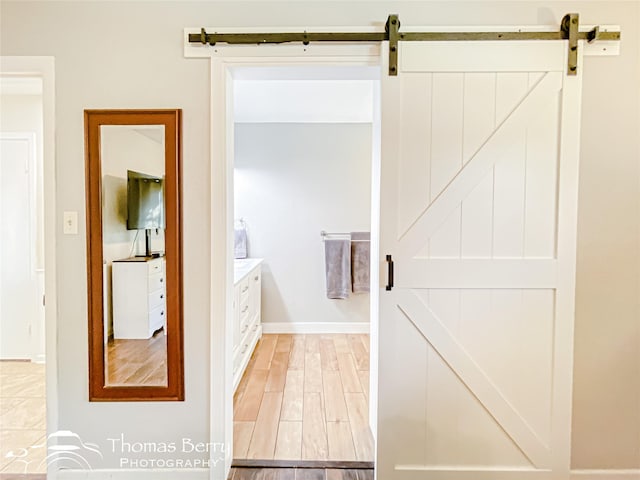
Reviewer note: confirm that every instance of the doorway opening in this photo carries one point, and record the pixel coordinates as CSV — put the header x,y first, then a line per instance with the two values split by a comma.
x,y
22,247
305,197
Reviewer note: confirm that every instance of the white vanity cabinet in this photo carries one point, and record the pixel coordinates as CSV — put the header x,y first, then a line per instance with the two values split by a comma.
x,y
139,303
247,326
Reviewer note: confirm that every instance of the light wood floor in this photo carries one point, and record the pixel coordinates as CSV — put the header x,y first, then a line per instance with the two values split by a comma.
x,y
300,474
305,397
137,362
22,418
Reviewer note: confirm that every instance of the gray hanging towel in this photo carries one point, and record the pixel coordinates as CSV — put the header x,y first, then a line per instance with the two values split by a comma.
x,y
360,254
240,241
337,257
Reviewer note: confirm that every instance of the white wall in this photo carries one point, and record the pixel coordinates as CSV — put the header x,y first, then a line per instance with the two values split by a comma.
x,y
119,71
306,101
606,415
130,55
292,181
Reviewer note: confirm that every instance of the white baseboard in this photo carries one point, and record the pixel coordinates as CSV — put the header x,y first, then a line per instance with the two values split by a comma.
x,y
316,327
135,474
40,358
605,474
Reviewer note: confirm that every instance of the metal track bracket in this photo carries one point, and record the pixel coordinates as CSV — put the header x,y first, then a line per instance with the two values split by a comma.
x,y
593,35
392,28
570,26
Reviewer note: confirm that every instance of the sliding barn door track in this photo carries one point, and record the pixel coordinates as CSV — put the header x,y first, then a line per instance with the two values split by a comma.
x,y
569,30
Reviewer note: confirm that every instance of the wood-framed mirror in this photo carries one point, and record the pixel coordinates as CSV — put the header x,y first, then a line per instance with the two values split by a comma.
x,y
134,254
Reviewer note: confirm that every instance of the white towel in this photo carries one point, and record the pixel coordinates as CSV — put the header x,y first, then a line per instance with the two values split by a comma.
x,y
337,256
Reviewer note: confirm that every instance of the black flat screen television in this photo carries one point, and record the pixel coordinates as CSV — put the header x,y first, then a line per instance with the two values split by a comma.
x,y
145,201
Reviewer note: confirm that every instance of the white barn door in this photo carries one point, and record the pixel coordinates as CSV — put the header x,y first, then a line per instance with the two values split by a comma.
x,y
478,210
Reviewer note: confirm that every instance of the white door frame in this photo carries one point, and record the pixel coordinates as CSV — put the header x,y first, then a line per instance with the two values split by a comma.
x,y
223,60
43,67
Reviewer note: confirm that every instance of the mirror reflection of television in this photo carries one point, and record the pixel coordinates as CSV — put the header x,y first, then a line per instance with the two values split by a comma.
x,y
145,201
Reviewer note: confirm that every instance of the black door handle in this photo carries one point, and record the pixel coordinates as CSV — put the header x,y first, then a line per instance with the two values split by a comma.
x,y
389,272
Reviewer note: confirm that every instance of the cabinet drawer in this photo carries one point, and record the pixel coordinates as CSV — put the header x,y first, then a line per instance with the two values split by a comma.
x,y
244,305
156,299
249,331
244,300
156,282
255,288
155,266
253,328
156,319
245,317
239,356
255,279
245,321
244,290
236,316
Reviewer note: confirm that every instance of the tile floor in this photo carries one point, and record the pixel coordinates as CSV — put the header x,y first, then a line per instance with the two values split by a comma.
x,y
22,418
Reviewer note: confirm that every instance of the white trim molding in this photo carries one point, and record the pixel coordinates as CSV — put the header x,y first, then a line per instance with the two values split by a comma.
x,y
606,474
316,327
44,68
221,293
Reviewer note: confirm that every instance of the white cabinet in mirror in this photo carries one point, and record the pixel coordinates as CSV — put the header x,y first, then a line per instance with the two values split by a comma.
x,y
138,297
247,325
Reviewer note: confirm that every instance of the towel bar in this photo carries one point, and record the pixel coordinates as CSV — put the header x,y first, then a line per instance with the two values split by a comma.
x,y
324,236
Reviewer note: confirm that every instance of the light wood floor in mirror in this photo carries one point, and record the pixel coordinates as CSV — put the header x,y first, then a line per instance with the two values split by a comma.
x,y
22,418
137,362
305,397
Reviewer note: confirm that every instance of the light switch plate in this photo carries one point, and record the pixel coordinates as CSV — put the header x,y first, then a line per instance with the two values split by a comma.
x,y
70,223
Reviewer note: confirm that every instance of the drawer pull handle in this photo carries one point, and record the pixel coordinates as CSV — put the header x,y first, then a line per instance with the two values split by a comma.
x,y
244,349
255,327
161,280
162,296
245,309
161,313
245,289
256,278
244,329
